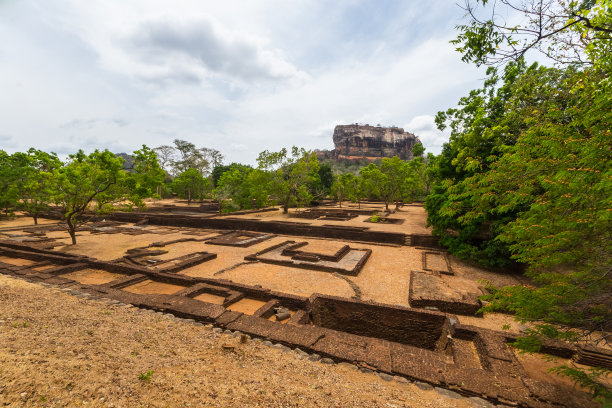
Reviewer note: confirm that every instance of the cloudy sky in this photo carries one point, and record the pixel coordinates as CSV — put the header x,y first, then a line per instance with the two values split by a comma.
x,y
238,76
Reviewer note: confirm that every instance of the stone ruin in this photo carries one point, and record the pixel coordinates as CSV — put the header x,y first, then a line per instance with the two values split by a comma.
x,y
424,342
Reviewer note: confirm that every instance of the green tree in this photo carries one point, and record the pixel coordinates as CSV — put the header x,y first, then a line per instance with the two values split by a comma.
x,y
345,186
9,195
481,129
187,156
234,188
576,32
371,180
146,178
290,175
81,181
191,185
548,184
326,176
218,171
34,182
391,181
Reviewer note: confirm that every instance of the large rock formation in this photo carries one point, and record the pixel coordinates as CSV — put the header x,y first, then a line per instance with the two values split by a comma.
x,y
358,142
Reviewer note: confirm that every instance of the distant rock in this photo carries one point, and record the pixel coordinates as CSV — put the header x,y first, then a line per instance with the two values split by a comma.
x,y
358,142
128,161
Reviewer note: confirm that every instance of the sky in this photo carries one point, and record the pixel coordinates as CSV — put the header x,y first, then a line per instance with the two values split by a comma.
x,y
237,76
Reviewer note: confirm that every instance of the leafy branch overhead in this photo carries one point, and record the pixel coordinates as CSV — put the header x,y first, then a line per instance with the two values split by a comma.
x,y
505,30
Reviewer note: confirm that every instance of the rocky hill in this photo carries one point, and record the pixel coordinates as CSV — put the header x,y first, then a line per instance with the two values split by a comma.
x,y
359,142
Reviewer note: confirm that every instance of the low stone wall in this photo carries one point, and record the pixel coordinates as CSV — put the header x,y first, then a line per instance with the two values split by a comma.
x,y
402,325
275,227
415,344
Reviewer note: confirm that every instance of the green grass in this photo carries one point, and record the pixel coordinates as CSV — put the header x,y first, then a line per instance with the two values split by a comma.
x,y
146,376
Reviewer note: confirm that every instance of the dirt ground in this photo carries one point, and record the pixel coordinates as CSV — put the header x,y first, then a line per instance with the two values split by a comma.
x,y
385,278
62,351
414,218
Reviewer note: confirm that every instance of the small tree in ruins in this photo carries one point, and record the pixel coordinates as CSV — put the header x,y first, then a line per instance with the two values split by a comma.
x,y
190,185
290,175
33,181
78,183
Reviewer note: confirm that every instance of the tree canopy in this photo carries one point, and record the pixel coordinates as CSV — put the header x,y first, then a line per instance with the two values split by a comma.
x,y
81,181
291,174
526,175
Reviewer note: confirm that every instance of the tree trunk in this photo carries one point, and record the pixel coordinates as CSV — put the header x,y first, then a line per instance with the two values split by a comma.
x,y
71,229
386,205
35,216
285,208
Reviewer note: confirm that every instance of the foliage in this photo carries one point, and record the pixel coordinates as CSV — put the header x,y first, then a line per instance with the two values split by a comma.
x,y
345,186
374,218
34,180
185,155
392,181
290,175
528,171
25,181
242,187
8,191
218,171
480,131
144,179
326,176
146,376
82,180
577,32
191,185
147,175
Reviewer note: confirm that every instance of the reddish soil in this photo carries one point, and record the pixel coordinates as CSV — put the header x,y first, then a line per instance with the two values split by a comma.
x,y
63,351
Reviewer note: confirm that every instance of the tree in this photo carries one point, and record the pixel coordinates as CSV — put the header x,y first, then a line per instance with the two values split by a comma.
x,y
576,32
558,173
418,150
82,180
218,171
212,156
326,176
9,195
147,176
166,155
481,129
372,180
190,184
185,155
290,175
234,188
546,181
34,180
390,181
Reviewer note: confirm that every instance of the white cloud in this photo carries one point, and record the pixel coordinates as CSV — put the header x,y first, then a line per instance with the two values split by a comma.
x,y
194,48
240,77
425,128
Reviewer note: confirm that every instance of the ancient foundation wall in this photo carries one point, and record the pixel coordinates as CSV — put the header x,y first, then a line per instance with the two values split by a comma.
x,y
401,325
276,227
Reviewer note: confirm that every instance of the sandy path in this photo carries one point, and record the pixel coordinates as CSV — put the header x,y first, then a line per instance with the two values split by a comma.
x,y
64,351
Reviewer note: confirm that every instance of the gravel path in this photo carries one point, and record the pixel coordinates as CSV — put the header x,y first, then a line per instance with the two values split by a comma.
x,y
60,350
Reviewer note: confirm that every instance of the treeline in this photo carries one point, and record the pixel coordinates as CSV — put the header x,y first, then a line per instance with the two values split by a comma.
x,y
526,175
297,179
36,182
